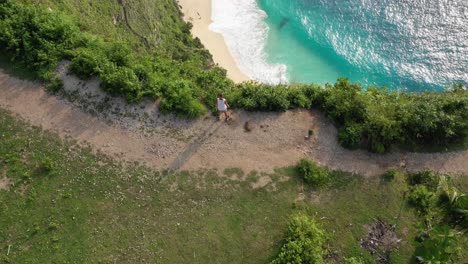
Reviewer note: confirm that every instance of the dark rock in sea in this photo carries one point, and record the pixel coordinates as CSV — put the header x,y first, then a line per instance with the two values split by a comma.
x,y
283,22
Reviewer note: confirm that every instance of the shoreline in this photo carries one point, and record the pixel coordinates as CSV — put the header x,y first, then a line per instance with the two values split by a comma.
x,y
199,14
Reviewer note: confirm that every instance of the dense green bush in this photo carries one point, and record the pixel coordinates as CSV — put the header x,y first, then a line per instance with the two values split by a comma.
x,y
436,118
54,84
34,36
48,166
88,62
460,204
440,246
311,173
304,242
391,174
121,80
350,135
437,199
345,102
426,177
421,198
179,98
454,201
313,92
255,96
297,98
382,127
120,54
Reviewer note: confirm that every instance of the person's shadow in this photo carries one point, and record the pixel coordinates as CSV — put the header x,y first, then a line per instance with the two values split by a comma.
x,y
194,146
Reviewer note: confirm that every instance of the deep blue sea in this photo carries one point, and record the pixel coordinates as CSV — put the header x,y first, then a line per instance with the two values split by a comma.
x,y
403,44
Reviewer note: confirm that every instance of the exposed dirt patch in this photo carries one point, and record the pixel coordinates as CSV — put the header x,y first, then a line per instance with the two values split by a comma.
x,y
173,187
261,182
5,183
380,240
300,198
138,132
234,174
23,188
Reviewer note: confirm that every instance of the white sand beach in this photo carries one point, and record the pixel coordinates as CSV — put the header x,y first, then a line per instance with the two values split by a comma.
x,y
198,12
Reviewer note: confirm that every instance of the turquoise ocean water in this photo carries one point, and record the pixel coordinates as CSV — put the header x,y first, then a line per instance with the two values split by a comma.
x,y
403,44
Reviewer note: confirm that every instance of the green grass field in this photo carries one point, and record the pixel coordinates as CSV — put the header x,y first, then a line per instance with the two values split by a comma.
x,y
67,205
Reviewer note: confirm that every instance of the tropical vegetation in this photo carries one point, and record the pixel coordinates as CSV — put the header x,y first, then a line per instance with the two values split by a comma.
x,y
175,67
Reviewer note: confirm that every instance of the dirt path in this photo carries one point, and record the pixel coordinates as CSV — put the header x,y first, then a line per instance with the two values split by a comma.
x,y
140,133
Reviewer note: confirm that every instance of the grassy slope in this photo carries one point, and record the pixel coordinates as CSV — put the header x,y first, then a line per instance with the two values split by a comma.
x,y
158,21
93,16
90,209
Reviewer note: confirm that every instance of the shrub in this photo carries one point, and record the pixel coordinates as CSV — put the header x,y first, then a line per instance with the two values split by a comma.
x,y
436,118
382,124
427,178
304,242
178,97
441,246
34,36
261,97
297,98
121,80
53,82
311,173
421,198
377,147
448,193
350,136
461,204
120,54
314,93
390,175
54,85
381,133
344,102
456,202
48,166
459,211
87,62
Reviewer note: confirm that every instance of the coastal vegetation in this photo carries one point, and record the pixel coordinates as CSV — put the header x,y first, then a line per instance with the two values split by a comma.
x,y
59,202
63,202
172,66
304,242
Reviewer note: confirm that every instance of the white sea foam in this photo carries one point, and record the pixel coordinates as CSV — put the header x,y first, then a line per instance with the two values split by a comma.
x,y
242,24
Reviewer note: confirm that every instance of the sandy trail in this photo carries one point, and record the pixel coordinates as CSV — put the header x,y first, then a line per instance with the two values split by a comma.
x,y
140,133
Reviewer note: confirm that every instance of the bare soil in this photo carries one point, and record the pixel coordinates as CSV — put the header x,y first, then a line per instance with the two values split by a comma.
x,y
138,132
5,183
380,240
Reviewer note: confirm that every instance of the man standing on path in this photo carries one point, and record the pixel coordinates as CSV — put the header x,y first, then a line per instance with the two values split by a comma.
x,y
222,106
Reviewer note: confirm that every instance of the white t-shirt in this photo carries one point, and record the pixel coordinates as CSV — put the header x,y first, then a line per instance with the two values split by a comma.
x,y
222,104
